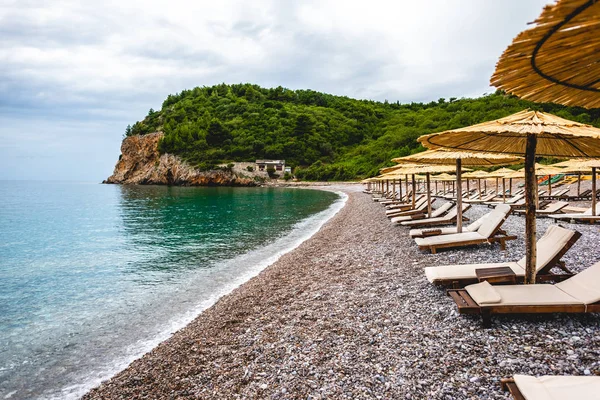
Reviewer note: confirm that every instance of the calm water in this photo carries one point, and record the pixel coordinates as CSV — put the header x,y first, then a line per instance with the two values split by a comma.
x,y
92,276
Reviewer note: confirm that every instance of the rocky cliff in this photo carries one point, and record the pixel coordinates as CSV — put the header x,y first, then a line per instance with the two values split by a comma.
x,y
141,163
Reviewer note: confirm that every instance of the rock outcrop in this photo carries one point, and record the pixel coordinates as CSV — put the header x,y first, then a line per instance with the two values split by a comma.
x,y
141,163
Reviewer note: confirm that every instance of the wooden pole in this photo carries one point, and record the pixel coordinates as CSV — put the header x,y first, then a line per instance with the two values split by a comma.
x,y
387,187
549,185
496,186
406,183
428,195
436,189
393,188
468,188
414,189
593,190
530,207
578,183
479,187
400,188
458,196
510,187
504,190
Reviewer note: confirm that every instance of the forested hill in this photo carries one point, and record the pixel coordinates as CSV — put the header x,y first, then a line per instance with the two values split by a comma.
x,y
324,137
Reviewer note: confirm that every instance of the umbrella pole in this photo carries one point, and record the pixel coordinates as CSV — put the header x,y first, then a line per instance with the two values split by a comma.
x,y
428,195
393,188
468,188
406,183
400,188
578,183
549,185
387,187
593,190
414,189
496,186
504,190
479,187
436,189
510,187
530,207
458,196
484,188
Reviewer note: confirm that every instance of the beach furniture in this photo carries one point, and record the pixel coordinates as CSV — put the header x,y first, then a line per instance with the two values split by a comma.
x,y
483,199
425,232
578,294
435,213
420,207
550,249
551,208
585,216
512,200
489,232
449,218
407,202
526,387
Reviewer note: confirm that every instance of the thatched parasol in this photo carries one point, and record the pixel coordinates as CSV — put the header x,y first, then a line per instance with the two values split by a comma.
x,y
525,133
458,158
583,166
557,60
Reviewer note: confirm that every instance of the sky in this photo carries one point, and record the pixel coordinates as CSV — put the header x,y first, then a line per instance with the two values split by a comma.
x,y
75,73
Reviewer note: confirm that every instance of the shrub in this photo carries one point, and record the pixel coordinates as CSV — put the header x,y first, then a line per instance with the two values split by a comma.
x,y
287,176
271,172
250,168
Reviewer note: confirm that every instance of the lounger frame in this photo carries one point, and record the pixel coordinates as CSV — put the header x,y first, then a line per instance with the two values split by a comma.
x,y
543,275
509,385
499,236
466,305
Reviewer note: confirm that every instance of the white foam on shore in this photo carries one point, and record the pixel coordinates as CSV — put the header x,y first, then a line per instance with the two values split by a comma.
x,y
231,274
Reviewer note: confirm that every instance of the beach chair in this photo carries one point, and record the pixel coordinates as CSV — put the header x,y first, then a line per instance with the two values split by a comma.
x,y
551,208
449,218
420,207
578,294
550,249
425,232
526,387
585,216
489,232
434,213
488,197
582,196
399,205
512,200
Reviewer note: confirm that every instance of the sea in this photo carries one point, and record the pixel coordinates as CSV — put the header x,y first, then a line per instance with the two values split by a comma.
x,y
93,276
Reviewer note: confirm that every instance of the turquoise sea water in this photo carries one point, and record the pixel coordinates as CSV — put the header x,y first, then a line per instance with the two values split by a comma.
x,y
92,276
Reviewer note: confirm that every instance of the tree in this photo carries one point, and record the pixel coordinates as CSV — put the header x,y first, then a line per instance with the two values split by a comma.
x,y
217,134
304,125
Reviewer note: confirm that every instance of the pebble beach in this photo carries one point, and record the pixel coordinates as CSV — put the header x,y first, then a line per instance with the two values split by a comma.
x,y
349,314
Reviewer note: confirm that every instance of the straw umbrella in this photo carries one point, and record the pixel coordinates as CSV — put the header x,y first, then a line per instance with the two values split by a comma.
x,y
557,60
458,158
525,133
584,166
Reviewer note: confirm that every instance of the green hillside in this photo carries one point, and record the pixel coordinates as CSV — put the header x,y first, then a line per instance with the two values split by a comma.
x,y
322,136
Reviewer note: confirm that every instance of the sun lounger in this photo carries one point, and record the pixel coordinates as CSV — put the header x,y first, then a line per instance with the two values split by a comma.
x,y
449,218
578,294
585,216
550,249
525,387
488,197
425,232
434,213
403,204
552,208
420,207
511,200
489,232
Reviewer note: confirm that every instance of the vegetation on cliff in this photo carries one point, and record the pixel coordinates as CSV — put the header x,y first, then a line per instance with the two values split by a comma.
x,y
324,137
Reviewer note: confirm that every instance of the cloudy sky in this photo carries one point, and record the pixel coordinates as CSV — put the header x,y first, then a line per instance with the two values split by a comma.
x,y
74,73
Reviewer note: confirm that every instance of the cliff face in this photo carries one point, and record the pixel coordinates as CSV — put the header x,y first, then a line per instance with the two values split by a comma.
x,y
140,163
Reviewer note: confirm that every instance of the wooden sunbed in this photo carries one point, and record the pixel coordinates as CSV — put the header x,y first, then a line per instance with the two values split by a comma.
x,y
404,204
443,209
426,232
525,387
550,249
551,208
449,218
511,200
585,216
420,207
489,232
578,294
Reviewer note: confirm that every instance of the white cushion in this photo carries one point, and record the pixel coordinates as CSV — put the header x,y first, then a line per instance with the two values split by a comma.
x,y
584,286
448,239
466,271
483,293
554,240
534,295
558,387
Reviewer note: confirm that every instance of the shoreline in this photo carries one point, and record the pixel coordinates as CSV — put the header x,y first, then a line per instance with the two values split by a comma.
x,y
259,259
349,314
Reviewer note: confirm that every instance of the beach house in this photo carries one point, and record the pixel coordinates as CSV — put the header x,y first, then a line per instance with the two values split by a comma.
x,y
277,165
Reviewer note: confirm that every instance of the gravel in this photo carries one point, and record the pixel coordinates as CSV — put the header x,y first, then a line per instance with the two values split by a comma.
x,y
350,315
